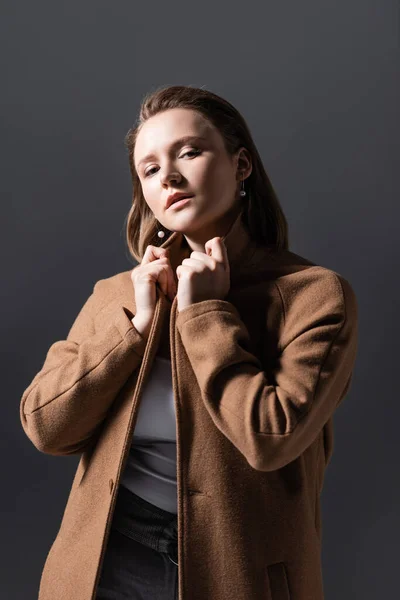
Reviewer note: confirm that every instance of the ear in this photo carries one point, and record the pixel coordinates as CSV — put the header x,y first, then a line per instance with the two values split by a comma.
x,y
243,163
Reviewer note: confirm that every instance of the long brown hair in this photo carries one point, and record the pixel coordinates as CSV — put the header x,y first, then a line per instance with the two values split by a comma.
x,y
263,215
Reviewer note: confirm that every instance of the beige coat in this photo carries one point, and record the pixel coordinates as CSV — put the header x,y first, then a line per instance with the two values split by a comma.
x,y
256,380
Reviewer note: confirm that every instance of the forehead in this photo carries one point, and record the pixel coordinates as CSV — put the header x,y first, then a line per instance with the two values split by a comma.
x,y
160,131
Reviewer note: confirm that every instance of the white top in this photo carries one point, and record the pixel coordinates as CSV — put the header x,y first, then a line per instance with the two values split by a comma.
x,y
150,470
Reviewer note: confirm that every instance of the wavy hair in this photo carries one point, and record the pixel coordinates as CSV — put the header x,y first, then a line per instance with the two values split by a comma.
x,y
263,216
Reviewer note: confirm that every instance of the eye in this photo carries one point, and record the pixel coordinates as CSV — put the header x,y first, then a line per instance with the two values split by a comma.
x,y
195,152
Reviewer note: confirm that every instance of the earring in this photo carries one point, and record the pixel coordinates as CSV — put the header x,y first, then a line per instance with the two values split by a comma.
x,y
243,191
161,233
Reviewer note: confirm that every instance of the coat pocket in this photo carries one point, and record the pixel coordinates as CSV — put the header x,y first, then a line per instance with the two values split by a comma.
x,y
278,581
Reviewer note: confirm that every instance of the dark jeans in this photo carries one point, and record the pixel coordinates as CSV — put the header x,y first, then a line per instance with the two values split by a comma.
x,y
140,561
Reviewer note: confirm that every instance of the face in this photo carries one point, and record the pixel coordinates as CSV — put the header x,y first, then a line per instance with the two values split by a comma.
x,y
199,166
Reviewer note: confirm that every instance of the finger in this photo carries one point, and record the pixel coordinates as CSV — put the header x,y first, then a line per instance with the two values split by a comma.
x,y
217,249
158,272
153,253
169,286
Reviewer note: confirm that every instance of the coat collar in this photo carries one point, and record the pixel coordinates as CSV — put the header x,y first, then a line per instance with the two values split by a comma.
x,y
239,245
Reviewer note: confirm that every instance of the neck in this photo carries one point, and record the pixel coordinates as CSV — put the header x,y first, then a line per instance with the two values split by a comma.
x,y
219,228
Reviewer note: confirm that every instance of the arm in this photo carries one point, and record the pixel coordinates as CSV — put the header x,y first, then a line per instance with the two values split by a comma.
x,y
272,419
70,396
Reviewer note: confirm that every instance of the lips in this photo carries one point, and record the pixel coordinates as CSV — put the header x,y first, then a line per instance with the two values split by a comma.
x,y
176,197
180,202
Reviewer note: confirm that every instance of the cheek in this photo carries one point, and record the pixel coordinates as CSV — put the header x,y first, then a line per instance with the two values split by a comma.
x,y
219,181
151,197
212,176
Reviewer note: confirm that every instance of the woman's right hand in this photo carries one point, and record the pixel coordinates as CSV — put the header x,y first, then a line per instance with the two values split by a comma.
x,y
155,266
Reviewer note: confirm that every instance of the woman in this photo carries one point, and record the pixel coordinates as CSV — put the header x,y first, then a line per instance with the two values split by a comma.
x,y
199,387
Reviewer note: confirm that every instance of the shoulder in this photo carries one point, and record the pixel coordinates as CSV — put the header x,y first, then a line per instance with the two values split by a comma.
x,y
111,288
310,292
116,283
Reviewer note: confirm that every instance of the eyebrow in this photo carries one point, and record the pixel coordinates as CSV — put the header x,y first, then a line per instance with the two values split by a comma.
x,y
179,142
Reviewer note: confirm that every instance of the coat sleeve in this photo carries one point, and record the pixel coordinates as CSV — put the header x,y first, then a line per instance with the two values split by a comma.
x,y
69,397
272,419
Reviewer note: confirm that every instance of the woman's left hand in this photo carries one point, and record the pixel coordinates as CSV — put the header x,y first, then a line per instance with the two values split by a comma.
x,y
204,276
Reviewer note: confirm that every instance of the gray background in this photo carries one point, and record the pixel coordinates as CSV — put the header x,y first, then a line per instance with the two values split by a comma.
x,y
318,83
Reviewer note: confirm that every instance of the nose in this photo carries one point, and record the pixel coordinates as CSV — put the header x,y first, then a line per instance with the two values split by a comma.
x,y
169,177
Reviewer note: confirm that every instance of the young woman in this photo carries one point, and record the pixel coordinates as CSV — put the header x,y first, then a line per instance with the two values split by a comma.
x,y
200,386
